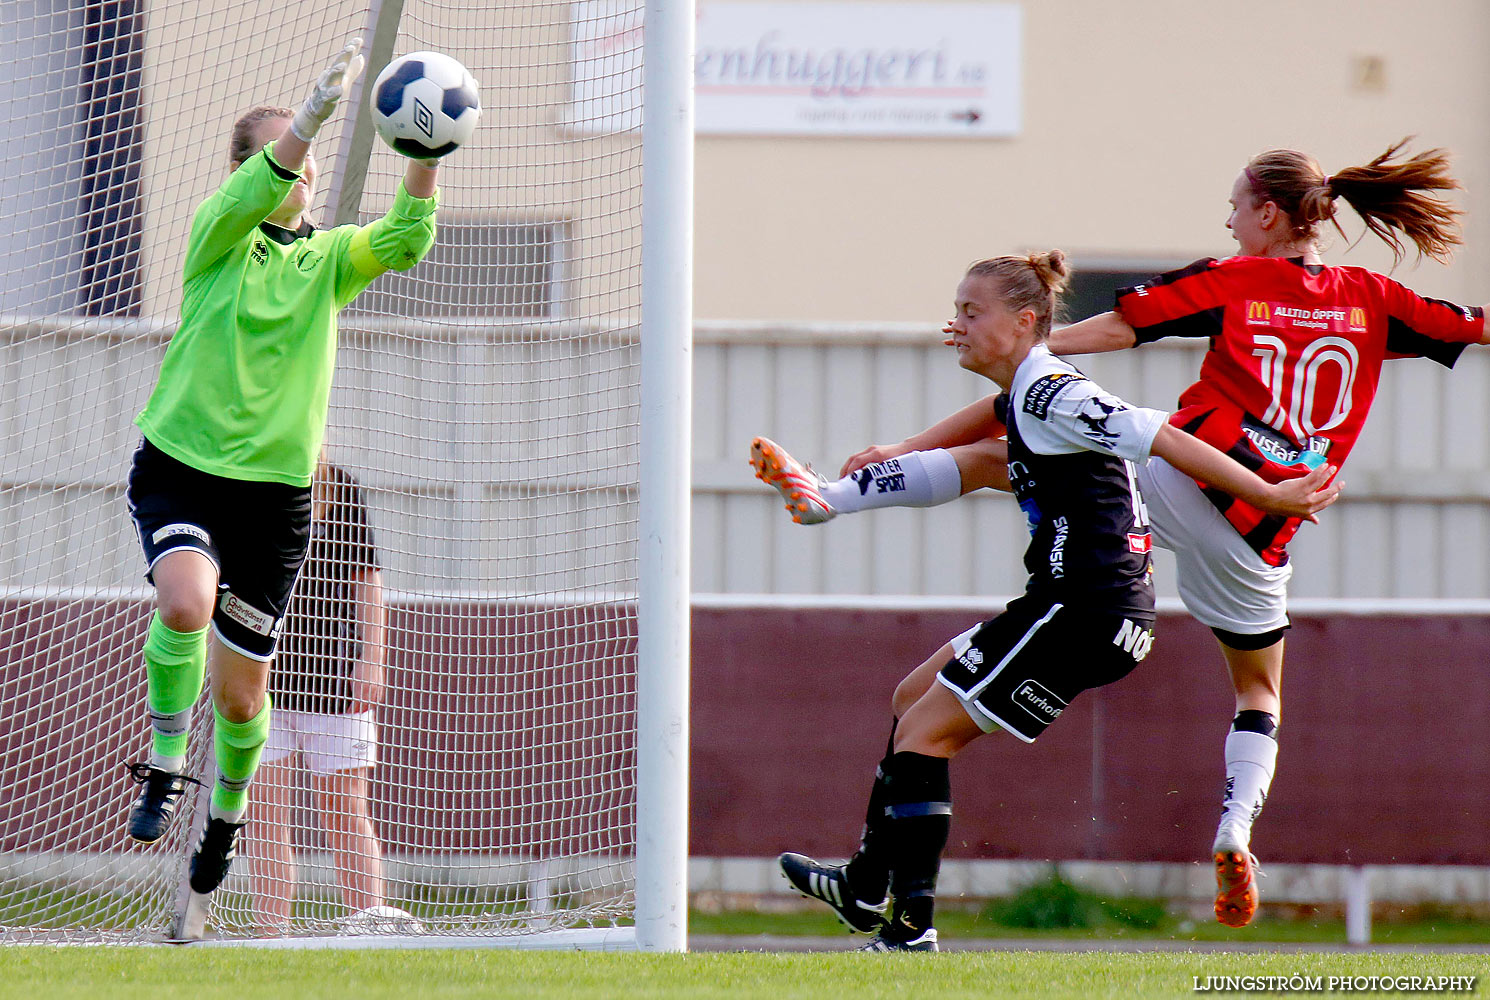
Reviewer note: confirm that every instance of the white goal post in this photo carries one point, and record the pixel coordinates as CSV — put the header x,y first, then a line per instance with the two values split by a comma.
x,y
516,410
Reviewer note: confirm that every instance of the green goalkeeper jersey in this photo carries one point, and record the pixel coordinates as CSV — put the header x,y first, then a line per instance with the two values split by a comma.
x,y
246,380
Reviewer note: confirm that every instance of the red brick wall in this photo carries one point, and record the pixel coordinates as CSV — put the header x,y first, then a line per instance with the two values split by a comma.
x,y
1384,748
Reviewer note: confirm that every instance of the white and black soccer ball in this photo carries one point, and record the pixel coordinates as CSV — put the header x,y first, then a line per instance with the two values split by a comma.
x,y
425,104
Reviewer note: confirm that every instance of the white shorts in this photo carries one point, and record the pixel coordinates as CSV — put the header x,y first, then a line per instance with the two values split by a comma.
x,y
1223,583
329,742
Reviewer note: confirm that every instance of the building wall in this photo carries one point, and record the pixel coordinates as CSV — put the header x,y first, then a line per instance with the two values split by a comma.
x,y
1137,118
1133,770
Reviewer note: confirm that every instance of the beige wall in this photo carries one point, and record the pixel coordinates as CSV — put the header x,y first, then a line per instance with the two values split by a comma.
x,y
1138,116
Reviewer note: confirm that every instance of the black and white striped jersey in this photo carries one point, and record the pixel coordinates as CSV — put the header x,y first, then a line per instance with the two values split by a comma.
x,y
1071,452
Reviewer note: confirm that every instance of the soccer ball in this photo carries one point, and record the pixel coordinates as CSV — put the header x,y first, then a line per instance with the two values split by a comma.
x,y
425,104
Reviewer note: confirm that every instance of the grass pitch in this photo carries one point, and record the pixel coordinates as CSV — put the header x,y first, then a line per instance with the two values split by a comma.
x,y
164,973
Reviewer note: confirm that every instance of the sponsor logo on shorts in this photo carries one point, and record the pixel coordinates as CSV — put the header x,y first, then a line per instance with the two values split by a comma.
x,y
1038,700
180,529
1039,396
972,657
1135,639
249,617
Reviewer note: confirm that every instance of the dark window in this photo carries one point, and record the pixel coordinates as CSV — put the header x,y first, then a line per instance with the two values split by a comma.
x,y
478,268
1093,286
114,143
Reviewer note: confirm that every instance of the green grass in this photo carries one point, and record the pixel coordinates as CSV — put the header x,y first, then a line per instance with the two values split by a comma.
x,y
1053,908
168,973
954,924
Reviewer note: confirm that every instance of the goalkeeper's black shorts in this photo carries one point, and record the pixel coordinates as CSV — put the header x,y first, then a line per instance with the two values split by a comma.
x,y
1020,670
256,534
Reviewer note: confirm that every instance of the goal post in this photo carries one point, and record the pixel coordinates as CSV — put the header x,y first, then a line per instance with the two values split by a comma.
x,y
515,411
666,359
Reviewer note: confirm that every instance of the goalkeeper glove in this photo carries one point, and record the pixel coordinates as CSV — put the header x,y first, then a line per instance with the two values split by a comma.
x,y
329,89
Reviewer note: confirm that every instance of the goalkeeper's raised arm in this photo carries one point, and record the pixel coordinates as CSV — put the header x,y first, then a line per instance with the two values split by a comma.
x,y
220,484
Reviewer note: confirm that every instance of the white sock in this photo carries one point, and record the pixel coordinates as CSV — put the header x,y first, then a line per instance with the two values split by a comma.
x,y
916,479
227,815
1250,760
173,764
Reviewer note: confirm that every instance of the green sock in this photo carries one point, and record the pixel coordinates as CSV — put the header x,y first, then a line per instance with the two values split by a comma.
x,y
238,746
175,663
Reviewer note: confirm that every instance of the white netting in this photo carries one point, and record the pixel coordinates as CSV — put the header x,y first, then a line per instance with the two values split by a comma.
x,y
486,401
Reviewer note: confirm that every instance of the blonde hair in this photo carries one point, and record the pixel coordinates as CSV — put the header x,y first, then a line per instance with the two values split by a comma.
x,y
1034,281
1387,194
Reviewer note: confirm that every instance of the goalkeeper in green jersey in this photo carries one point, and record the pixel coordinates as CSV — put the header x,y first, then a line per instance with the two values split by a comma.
x,y
220,485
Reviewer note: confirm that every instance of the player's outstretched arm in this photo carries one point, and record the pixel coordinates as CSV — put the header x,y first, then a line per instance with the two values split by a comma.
x,y
1096,335
333,83
969,425
1302,498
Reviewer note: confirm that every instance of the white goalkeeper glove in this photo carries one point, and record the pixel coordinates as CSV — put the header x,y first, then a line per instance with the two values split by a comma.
x,y
330,88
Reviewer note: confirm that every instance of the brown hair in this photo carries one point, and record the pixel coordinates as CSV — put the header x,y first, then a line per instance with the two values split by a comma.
x,y
1034,281
241,144
1388,195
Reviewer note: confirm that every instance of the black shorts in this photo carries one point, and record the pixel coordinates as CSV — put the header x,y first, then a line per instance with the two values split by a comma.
x,y
1021,669
256,534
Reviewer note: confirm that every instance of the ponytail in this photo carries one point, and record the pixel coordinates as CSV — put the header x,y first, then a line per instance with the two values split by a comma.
x,y
1388,196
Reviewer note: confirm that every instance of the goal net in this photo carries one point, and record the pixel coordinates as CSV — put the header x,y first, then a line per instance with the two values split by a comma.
x,y
487,402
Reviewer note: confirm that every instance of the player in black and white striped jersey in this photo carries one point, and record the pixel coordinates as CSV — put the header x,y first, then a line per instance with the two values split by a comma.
x,y
1085,619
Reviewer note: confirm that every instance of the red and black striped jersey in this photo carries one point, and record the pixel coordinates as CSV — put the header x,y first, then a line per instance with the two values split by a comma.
x,y
1295,358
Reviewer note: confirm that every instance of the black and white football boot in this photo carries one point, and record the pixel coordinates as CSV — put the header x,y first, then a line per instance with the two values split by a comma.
x,y
214,854
829,884
887,940
155,807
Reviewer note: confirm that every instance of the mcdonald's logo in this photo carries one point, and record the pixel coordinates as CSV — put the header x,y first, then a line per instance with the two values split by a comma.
x,y
1357,318
1259,312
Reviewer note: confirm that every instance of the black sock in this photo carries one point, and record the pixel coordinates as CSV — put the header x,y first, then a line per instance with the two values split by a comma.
x,y
867,871
918,810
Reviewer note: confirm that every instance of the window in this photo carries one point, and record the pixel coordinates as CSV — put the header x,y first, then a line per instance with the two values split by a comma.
x,y
1095,281
480,267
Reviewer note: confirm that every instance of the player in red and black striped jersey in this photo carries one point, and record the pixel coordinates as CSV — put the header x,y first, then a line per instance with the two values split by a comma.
x,y
1296,349
1295,358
